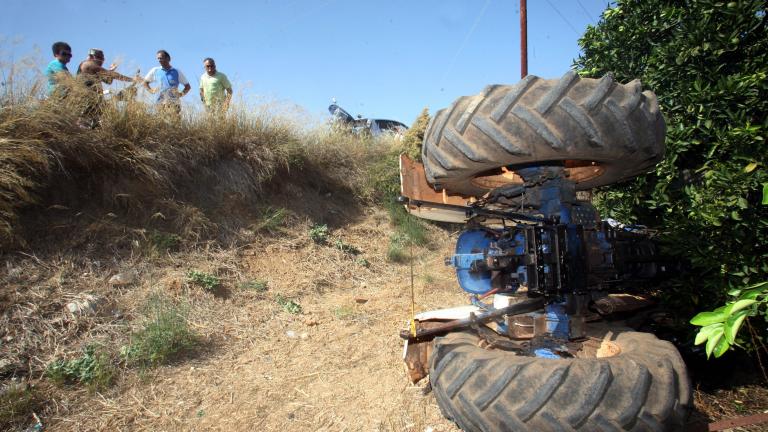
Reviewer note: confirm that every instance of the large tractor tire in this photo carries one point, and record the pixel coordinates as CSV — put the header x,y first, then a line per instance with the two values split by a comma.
x,y
601,131
643,388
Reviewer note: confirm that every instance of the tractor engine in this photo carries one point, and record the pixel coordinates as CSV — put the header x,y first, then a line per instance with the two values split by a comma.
x,y
561,252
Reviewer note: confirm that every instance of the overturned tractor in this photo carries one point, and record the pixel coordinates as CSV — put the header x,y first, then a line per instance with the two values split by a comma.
x,y
532,350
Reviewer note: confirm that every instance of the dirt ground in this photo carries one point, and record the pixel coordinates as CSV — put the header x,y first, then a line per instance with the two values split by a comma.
x,y
334,367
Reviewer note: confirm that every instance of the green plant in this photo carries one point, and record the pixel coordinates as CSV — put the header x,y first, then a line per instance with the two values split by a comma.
x,y
707,62
345,313
362,262
254,285
17,403
164,334
346,248
271,220
94,368
414,136
319,233
163,241
208,281
720,327
396,249
411,229
288,305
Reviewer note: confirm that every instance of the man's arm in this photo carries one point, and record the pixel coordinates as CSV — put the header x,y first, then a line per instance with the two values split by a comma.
x,y
106,73
183,80
148,79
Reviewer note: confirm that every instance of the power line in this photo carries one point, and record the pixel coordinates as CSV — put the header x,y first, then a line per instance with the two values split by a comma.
x,y
564,18
589,16
464,42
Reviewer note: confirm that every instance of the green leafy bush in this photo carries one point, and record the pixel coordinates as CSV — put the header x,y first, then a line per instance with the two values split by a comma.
x,y
208,281
94,368
163,241
383,175
164,335
346,248
720,327
271,220
319,233
288,305
707,61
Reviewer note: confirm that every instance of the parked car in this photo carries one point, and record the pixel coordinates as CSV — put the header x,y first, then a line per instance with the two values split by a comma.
x,y
375,127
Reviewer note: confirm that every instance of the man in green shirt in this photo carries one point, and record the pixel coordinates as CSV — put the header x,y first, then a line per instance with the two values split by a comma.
x,y
215,89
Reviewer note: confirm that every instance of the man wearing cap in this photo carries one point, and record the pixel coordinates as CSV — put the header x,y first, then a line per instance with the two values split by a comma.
x,y
92,73
169,80
215,88
57,70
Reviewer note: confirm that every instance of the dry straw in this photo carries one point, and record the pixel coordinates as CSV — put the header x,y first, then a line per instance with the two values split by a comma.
x,y
133,162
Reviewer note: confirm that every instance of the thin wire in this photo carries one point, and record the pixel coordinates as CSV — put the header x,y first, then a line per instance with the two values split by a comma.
x,y
464,42
585,11
564,18
413,293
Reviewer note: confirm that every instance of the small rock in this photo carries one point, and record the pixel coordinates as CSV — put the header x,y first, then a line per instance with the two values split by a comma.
x,y
84,306
304,335
361,300
123,278
291,334
311,322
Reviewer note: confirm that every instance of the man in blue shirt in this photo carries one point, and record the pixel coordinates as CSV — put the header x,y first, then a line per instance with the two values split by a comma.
x,y
169,80
57,68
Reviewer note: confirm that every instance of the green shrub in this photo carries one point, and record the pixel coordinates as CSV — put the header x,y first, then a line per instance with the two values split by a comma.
x,y
707,61
163,336
288,305
346,248
720,327
163,241
94,369
319,233
208,281
397,249
271,220
414,137
409,227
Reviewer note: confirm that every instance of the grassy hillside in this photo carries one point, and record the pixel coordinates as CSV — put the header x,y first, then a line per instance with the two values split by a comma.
x,y
140,170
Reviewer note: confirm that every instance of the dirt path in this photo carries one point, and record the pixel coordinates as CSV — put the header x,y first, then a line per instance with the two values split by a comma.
x,y
335,366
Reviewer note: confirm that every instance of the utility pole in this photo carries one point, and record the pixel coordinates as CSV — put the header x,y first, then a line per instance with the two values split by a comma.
x,y
523,39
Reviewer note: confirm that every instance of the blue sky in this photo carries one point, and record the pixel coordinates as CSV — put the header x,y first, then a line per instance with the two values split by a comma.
x,y
381,59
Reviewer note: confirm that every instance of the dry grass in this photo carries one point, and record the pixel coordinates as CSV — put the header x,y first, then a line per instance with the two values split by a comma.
x,y
333,366
147,170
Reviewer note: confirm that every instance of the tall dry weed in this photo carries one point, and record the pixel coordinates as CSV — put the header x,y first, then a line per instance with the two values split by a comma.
x,y
146,166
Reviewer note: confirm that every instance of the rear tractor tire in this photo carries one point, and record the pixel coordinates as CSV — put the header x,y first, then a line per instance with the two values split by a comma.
x,y
644,387
601,131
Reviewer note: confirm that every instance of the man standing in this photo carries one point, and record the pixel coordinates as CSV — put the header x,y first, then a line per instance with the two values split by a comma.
x,y
215,88
57,68
91,73
169,80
